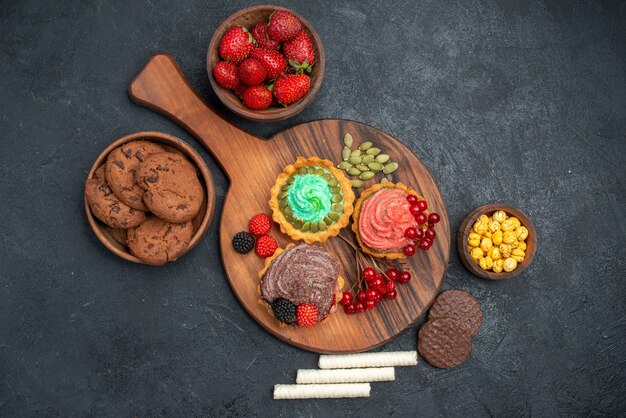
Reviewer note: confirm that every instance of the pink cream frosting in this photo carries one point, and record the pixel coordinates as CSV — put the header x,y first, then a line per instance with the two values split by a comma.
x,y
384,217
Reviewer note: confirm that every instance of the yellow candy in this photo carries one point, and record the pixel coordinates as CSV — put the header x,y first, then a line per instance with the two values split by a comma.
x,y
485,263
508,224
509,237
496,237
480,228
521,232
473,239
493,226
514,244
494,253
483,219
476,253
487,234
497,265
499,216
522,245
515,221
486,244
509,265
518,255
505,250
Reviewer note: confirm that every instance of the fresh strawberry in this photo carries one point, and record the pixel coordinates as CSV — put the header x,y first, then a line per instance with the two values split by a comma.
x,y
306,314
283,26
265,246
259,224
299,52
236,44
225,74
257,98
289,88
252,72
240,89
273,61
259,33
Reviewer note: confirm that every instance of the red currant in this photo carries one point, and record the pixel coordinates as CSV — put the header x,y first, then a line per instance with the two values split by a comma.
x,y
349,309
414,210
377,282
411,199
361,297
370,304
421,218
368,273
359,307
393,274
379,276
433,218
430,234
425,244
422,205
370,294
379,297
346,299
405,277
410,232
419,233
409,250
391,294
390,285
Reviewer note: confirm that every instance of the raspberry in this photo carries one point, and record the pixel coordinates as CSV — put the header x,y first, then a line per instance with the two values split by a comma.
x,y
265,246
307,315
259,224
243,242
284,310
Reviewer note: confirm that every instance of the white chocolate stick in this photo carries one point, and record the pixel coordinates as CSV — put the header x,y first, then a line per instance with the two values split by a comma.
x,y
385,359
346,390
380,374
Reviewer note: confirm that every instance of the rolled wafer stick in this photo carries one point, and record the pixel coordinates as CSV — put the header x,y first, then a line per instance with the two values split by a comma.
x,y
377,374
386,359
345,390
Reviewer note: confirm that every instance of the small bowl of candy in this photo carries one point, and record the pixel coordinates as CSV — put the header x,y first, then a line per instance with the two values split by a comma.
x,y
266,63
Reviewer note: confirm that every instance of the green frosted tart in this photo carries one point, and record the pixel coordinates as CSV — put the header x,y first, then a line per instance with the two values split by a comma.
x,y
311,200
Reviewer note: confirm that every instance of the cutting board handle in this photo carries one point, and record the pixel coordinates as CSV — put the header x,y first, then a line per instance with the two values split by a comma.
x,y
162,87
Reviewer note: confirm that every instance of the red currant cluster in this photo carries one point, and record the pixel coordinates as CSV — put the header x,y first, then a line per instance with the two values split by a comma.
x,y
424,234
377,286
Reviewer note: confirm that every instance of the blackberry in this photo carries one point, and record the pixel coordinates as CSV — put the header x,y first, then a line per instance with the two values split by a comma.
x,y
284,310
243,242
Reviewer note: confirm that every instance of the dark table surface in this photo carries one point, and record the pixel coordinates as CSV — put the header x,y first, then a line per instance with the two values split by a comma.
x,y
521,101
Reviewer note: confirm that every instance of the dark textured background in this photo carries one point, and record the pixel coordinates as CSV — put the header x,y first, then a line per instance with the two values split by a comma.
x,y
523,101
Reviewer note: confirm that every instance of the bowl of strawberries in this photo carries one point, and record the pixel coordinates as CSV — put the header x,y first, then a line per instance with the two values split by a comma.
x,y
265,63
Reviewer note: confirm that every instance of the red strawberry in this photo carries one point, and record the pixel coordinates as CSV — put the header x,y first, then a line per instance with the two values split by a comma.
x,y
283,26
252,72
257,98
236,44
289,88
259,33
299,52
259,224
225,74
240,89
273,61
306,314
265,246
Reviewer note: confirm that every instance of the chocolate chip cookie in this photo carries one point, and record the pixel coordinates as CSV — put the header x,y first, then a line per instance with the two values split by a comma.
x,y
172,189
106,206
120,171
156,241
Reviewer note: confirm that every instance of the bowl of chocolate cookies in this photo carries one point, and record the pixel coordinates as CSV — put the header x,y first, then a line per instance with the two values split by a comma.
x,y
149,197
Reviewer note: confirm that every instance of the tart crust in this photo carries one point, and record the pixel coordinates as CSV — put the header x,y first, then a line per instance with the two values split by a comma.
x,y
320,236
357,213
268,262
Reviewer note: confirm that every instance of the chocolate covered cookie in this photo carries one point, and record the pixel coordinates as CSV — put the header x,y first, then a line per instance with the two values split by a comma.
x,y
156,241
460,306
121,167
106,206
172,189
444,343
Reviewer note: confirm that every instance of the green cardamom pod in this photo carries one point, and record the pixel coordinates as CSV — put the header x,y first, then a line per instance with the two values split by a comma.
x,y
365,146
390,168
366,175
347,140
373,151
353,171
357,184
382,158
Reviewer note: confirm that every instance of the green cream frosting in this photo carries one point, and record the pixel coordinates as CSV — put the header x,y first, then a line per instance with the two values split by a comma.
x,y
310,197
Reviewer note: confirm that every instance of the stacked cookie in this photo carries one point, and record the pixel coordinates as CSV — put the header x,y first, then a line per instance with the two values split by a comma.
x,y
151,192
445,341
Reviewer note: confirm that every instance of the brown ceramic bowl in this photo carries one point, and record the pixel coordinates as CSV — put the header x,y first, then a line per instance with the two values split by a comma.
x,y
115,239
466,227
248,18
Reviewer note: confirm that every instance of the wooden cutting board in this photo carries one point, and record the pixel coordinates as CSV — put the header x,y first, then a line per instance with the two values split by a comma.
x,y
252,164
